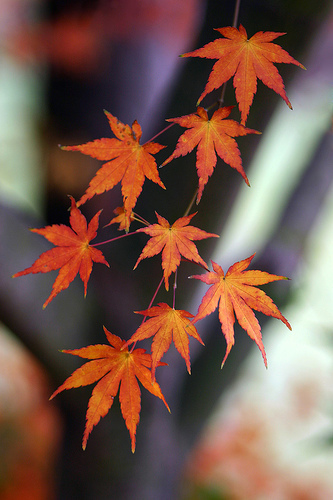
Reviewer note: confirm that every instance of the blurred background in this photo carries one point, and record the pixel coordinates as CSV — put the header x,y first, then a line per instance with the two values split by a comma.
x,y
243,432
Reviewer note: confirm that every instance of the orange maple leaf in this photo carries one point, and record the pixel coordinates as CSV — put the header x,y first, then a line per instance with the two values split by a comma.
x,y
128,163
121,218
166,324
175,240
72,255
247,59
236,293
115,366
211,136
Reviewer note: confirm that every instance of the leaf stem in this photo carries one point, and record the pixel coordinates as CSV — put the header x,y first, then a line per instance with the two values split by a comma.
x,y
143,221
113,239
174,289
187,211
161,132
236,14
150,304
152,300
156,292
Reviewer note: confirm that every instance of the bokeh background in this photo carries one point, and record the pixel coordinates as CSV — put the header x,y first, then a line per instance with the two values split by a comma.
x,y
241,433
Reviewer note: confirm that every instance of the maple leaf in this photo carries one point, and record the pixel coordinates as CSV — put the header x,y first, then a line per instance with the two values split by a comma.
x,y
121,218
236,292
247,59
166,324
113,365
128,163
175,240
72,255
211,136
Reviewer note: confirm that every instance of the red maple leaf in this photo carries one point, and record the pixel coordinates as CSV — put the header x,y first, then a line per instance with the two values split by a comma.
x,y
113,366
173,241
211,136
247,59
236,293
166,324
128,162
72,255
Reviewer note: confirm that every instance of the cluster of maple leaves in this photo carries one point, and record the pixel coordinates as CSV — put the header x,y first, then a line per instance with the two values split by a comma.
x,y
129,163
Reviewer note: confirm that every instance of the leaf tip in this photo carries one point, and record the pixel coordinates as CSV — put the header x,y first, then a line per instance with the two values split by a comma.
x,y
166,404
288,325
229,346
85,439
263,353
